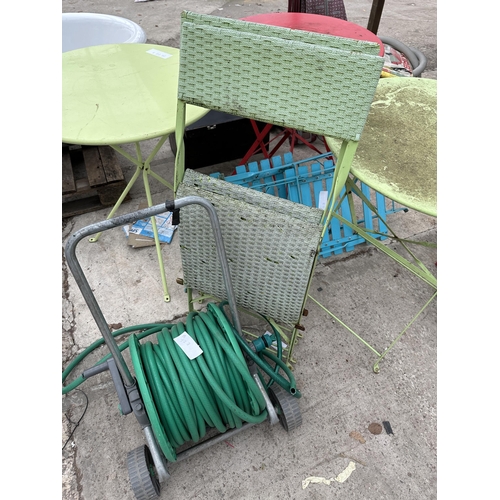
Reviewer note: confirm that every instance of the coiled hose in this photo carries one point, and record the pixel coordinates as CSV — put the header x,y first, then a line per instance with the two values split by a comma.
x,y
184,397
417,60
273,373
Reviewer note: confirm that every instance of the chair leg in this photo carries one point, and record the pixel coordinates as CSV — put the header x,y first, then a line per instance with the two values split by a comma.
x,y
342,169
180,129
380,355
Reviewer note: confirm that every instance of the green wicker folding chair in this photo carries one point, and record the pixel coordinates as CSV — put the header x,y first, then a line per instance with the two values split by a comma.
x,y
317,83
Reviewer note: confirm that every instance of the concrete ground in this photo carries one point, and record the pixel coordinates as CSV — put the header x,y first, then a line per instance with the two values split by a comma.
x,y
342,396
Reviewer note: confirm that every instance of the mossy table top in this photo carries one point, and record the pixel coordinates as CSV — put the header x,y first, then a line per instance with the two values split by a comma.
x,y
397,153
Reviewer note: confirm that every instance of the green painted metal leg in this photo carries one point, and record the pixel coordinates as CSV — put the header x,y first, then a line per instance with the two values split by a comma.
x,y
342,169
189,292
418,270
382,355
376,368
145,167
179,137
363,341
94,238
343,166
166,295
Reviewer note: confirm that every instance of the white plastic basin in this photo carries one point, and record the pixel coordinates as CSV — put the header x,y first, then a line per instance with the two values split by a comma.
x,y
82,29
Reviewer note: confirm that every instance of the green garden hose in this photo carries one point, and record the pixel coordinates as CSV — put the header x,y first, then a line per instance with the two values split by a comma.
x,y
146,330
273,373
184,397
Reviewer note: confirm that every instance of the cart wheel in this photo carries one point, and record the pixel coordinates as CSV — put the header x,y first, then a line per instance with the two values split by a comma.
x,y
287,407
142,474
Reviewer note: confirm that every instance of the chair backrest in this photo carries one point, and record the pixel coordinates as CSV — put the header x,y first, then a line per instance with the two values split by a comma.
x,y
335,42
308,81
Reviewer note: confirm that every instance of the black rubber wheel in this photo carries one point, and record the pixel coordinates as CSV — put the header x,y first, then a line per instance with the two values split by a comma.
x,y
286,406
142,474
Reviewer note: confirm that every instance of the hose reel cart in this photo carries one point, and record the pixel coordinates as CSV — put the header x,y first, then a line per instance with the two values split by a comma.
x,y
177,395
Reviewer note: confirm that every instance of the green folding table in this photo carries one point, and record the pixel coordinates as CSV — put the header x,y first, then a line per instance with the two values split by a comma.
x,y
120,94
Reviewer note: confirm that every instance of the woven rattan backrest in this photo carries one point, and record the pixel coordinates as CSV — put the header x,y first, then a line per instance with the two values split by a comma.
x,y
270,243
279,79
335,42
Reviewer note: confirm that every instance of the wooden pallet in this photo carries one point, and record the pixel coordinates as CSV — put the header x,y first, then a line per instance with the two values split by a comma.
x,y
91,179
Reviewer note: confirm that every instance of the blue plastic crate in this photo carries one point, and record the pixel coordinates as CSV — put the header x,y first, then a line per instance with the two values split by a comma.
x,y
308,182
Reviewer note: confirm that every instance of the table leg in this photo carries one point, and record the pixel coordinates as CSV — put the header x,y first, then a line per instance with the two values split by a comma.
x,y
287,133
375,15
258,143
376,368
295,138
145,167
145,174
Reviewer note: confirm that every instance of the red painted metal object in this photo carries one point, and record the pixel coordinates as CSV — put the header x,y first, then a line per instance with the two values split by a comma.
x,y
317,24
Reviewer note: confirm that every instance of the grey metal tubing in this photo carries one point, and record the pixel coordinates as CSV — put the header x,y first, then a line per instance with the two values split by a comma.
x,y
81,280
273,416
121,220
160,463
210,442
221,252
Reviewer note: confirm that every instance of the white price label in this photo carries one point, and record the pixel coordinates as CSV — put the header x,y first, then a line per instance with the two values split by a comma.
x,y
190,348
159,53
323,198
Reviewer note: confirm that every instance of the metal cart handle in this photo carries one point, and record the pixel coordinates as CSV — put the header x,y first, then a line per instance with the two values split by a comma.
x,y
121,220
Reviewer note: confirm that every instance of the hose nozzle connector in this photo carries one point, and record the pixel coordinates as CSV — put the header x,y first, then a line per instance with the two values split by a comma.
x,y
263,342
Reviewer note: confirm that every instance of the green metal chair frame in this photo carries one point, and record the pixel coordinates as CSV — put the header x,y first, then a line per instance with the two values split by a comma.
x,y
312,82
406,109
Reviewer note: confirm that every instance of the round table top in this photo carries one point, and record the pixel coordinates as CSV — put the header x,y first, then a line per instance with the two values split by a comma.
x,y
397,153
316,23
120,93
